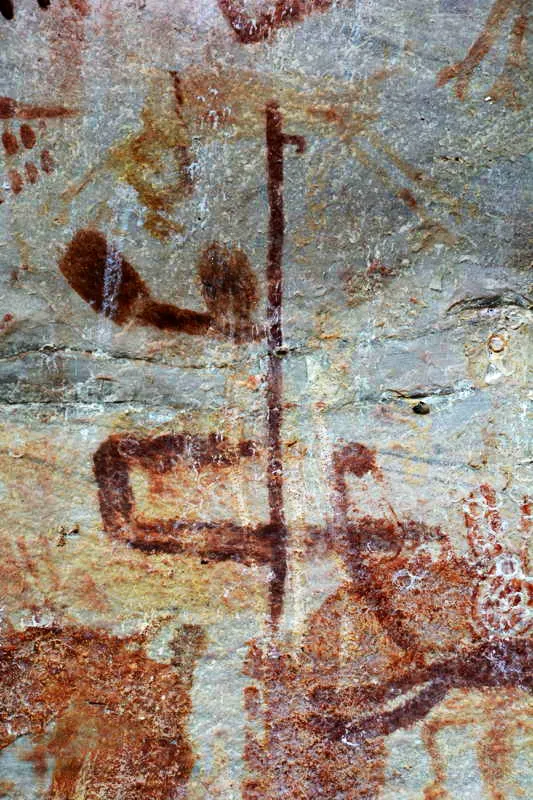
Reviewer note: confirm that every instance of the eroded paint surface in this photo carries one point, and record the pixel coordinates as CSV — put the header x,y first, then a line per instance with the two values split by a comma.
x,y
265,341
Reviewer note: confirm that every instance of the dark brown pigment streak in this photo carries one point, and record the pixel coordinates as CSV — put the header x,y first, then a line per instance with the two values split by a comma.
x,y
285,12
159,455
275,142
84,266
413,651
492,664
8,11
11,108
229,288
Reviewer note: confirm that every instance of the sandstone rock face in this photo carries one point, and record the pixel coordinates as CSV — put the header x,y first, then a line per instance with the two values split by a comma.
x,y
264,352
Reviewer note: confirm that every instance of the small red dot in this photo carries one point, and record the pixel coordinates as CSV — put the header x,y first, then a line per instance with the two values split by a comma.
x,y
47,162
9,140
27,136
16,181
32,172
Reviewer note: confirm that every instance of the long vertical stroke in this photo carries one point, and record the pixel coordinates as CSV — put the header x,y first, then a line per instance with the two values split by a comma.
x,y
275,142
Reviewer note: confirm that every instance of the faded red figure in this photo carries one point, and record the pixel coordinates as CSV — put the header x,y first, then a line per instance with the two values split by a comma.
x,y
414,622
505,85
250,28
99,717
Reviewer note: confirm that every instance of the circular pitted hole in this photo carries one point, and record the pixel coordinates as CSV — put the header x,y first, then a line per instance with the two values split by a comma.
x,y
129,447
497,343
421,408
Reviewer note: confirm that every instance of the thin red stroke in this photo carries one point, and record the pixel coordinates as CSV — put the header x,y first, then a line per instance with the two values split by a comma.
x,y
12,109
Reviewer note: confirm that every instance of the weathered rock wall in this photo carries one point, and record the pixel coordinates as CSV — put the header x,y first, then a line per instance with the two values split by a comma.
x,y
266,288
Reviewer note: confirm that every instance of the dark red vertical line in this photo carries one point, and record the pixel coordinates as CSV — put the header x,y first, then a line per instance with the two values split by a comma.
x,y
275,141
274,274
276,228
178,91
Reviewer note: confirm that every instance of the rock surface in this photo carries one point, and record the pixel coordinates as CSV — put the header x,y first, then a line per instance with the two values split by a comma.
x,y
265,434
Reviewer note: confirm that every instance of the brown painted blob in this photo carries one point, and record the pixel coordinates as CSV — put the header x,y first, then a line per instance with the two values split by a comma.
x,y
356,459
229,285
9,140
99,707
84,265
27,136
408,198
15,180
32,173
113,287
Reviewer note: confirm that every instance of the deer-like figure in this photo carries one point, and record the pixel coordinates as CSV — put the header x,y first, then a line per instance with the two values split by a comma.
x,y
414,622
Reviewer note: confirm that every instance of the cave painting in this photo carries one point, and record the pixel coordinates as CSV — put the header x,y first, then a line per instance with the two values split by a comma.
x,y
112,287
154,160
516,61
408,638
180,454
434,636
251,28
98,710
269,17
92,709
23,126
434,633
157,160
228,286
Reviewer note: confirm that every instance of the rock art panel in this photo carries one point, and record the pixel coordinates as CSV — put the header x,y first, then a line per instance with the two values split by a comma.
x,y
264,444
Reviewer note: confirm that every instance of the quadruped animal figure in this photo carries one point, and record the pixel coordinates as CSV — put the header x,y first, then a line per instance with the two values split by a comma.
x,y
418,633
